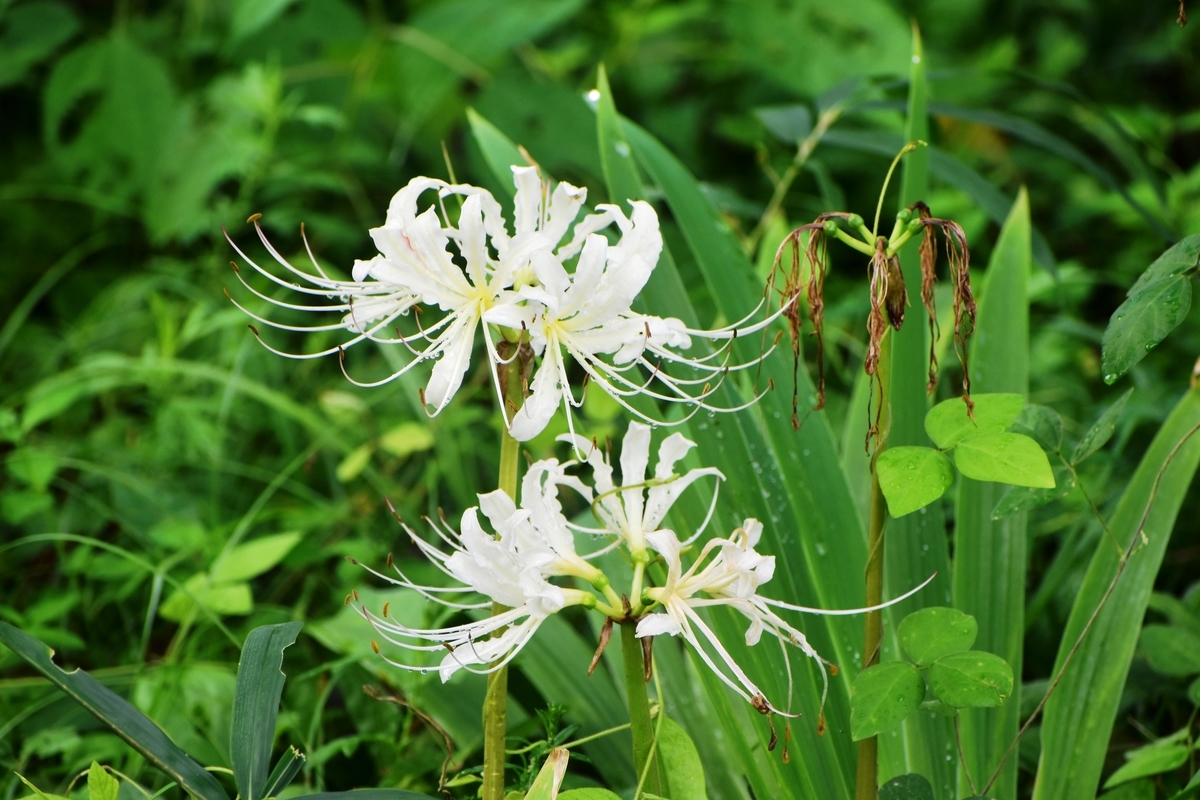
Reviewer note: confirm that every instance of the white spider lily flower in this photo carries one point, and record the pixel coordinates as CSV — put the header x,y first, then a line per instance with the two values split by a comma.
x,y
419,265
731,578
639,505
533,542
518,285
509,569
586,315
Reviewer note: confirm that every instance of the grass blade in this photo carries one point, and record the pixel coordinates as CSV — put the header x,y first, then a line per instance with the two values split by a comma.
x,y
126,721
256,705
990,558
1079,716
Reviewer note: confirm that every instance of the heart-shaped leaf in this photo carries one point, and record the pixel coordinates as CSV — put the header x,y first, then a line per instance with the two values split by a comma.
x,y
931,633
949,422
882,696
1004,458
906,787
912,477
973,679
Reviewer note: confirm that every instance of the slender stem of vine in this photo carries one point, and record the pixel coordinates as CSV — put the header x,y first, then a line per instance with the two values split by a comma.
x,y
962,758
1122,562
495,704
644,760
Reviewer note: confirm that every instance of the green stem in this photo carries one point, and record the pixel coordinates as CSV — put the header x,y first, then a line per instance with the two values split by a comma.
x,y
639,708
867,777
495,704
867,780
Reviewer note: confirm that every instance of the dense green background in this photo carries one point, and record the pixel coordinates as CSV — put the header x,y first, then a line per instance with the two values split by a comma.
x,y
137,409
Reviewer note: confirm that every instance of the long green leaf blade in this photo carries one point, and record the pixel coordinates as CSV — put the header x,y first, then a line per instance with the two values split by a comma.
x,y
1079,716
914,545
256,705
990,556
126,721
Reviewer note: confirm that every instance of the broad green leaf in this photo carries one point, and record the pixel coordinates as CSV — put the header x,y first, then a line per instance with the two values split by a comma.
x,y
33,466
590,793
1027,498
1099,434
101,785
1172,650
680,761
256,705
949,422
550,776
882,696
1141,322
973,679
912,477
1004,458
1149,760
1183,258
251,559
906,787
931,633
1194,692
406,438
499,153
1078,718
225,599
32,31
1042,424
354,463
123,719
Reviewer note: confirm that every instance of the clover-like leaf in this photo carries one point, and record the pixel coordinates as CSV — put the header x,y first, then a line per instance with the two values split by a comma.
x,y
882,696
928,634
912,477
949,422
1004,458
973,679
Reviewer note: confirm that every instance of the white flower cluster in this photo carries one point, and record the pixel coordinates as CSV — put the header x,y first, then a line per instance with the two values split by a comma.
x,y
535,542
566,298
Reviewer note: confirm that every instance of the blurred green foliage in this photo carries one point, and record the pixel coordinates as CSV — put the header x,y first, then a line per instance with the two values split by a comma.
x,y
149,443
